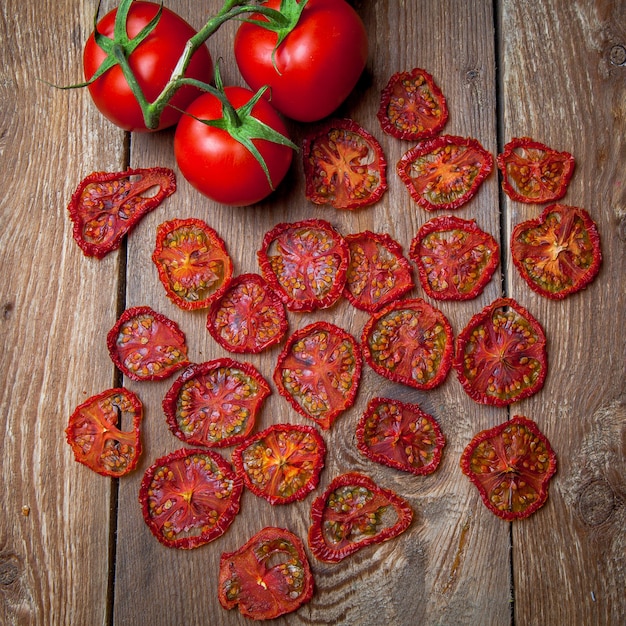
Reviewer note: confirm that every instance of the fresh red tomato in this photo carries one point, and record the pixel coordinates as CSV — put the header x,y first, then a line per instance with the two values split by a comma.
x,y
315,67
220,166
152,63
511,465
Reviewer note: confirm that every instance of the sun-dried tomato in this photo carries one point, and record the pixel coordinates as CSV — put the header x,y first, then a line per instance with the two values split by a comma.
x,y
189,497
412,106
108,205
215,404
444,172
501,354
282,463
401,436
344,166
248,316
511,465
352,513
533,172
267,577
558,253
95,435
378,273
192,262
318,372
409,342
455,259
306,263
146,345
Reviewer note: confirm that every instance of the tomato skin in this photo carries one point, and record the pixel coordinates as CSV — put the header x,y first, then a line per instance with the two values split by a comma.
x,y
152,63
220,167
319,62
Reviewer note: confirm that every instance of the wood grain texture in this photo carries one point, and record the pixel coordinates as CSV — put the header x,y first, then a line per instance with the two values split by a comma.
x,y
83,554
566,92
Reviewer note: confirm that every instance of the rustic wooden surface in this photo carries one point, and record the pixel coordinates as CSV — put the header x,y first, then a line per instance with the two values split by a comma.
x,y
73,546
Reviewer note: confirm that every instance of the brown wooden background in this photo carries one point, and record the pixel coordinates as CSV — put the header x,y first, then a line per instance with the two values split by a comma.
x,y
551,69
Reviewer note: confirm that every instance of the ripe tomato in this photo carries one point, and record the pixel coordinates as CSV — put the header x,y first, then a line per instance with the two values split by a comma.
x,y
218,165
317,64
152,63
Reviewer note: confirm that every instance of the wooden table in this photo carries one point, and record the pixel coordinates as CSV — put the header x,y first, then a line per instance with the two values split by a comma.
x,y
74,548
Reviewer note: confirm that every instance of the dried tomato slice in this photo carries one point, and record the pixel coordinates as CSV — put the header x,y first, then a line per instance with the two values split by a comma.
x,y
267,577
378,273
282,463
192,261
95,436
409,342
401,436
189,497
533,172
445,172
344,166
455,259
215,404
108,205
146,345
558,253
412,106
318,372
352,513
501,354
306,263
248,316
511,465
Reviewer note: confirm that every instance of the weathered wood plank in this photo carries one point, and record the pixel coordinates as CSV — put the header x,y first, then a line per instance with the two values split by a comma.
x,y
56,308
561,87
431,571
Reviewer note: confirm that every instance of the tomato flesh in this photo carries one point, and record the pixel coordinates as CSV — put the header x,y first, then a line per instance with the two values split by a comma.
x,y
317,65
378,273
400,435
248,316
454,257
192,262
354,512
344,166
152,63
282,463
501,354
511,465
409,342
444,172
106,206
146,345
189,498
558,253
318,372
306,263
215,404
267,577
533,172
95,435
412,106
